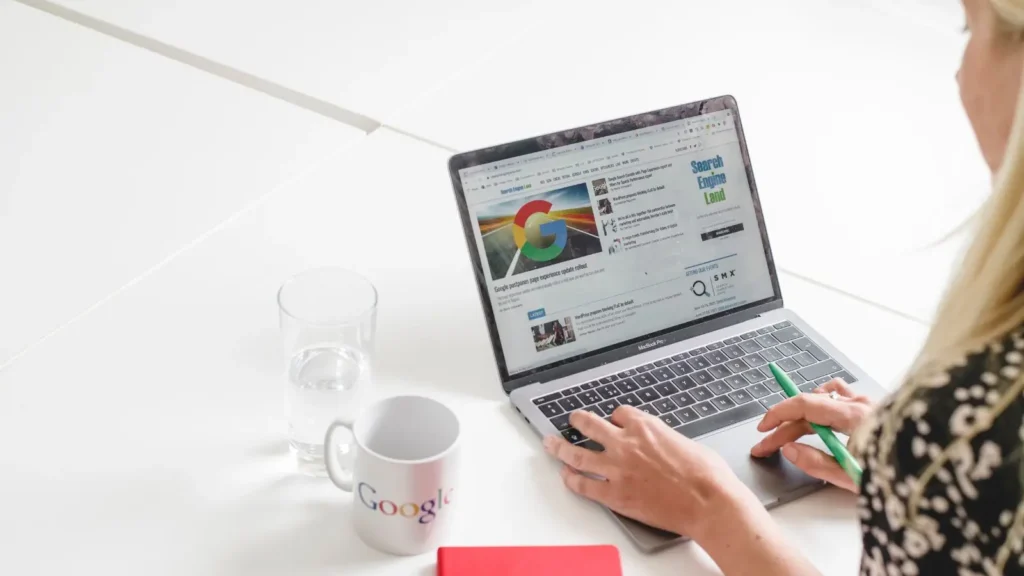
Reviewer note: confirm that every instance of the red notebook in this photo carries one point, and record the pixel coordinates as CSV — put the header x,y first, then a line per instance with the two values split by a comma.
x,y
529,561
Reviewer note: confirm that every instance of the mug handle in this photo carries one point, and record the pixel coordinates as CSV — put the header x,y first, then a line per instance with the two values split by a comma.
x,y
339,459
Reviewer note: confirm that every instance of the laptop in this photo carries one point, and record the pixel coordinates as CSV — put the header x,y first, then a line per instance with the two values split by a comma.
x,y
628,262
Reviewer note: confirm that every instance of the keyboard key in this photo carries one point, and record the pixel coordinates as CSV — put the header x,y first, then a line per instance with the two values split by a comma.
x,y
733,340
750,346
626,373
719,387
670,420
807,387
594,410
664,406
684,383
648,409
701,394
741,396
749,335
681,369
608,406
686,415
822,380
571,403
702,377
759,390
782,325
804,359
774,386
797,378
787,334
718,421
787,349
683,400
767,341
716,357
591,445
698,363
723,402
590,385
845,377
646,368
733,352
704,409
764,330
696,351
629,400
715,346
754,360
664,362
682,356
551,410
571,390
608,391
737,366
573,435
648,395
666,388
771,355
767,372
561,422
817,352
627,385
788,364
753,376
663,374
645,380
719,372
737,382
608,379
769,401
818,370
802,343
549,398
589,397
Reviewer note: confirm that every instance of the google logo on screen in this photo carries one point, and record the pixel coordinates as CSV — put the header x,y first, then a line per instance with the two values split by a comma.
x,y
539,237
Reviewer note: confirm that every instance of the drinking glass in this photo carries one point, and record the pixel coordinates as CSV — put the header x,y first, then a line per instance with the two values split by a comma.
x,y
328,320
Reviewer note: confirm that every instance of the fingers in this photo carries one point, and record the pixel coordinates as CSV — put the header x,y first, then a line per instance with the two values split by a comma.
x,y
784,434
838,386
623,415
816,408
597,490
579,458
592,426
818,464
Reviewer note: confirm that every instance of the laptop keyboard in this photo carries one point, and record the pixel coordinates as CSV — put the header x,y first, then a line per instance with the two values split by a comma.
x,y
702,390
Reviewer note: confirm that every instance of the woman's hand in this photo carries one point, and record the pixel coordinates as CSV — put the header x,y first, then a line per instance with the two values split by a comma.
x,y
653,473
791,419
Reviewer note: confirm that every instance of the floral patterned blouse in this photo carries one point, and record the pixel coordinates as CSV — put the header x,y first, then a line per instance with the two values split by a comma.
x,y
944,477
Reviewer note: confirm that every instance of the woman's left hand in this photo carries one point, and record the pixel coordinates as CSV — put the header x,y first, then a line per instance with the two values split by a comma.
x,y
652,473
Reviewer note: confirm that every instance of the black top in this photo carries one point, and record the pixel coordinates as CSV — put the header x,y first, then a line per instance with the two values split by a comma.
x,y
942,485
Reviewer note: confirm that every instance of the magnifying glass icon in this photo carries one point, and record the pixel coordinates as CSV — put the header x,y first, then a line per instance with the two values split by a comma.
x,y
699,289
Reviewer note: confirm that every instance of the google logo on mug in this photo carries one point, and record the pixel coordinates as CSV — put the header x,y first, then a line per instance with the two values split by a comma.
x,y
425,511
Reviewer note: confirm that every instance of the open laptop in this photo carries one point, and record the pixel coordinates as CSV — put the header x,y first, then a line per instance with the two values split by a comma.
x,y
628,262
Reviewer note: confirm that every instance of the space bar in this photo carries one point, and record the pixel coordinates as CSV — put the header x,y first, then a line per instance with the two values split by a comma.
x,y
721,420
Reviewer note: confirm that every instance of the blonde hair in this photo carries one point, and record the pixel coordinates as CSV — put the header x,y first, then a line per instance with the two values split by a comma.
x,y
985,299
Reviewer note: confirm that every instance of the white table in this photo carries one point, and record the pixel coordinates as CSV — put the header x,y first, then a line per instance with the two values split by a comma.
x,y
113,159
146,436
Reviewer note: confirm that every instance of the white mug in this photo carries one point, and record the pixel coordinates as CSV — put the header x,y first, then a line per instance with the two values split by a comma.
x,y
403,472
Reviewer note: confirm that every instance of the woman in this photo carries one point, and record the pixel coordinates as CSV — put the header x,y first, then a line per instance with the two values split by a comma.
x,y
943,467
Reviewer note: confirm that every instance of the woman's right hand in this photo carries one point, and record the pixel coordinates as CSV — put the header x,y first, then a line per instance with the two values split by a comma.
x,y
791,419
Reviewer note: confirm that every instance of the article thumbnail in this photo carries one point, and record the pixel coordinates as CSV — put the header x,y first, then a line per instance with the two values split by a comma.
x,y
604,206
600,186
529,233
553,334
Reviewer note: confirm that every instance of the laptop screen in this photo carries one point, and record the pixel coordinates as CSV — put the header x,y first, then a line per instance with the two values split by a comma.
x,y
588,245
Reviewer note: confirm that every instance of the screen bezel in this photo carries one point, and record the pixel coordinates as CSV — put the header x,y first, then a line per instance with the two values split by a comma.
x,y
626,348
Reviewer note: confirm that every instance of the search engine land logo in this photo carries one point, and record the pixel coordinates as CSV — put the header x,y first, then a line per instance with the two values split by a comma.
x,y
710,181
538,236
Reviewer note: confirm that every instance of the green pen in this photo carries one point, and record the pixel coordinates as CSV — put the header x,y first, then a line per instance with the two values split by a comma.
x,y
842,455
